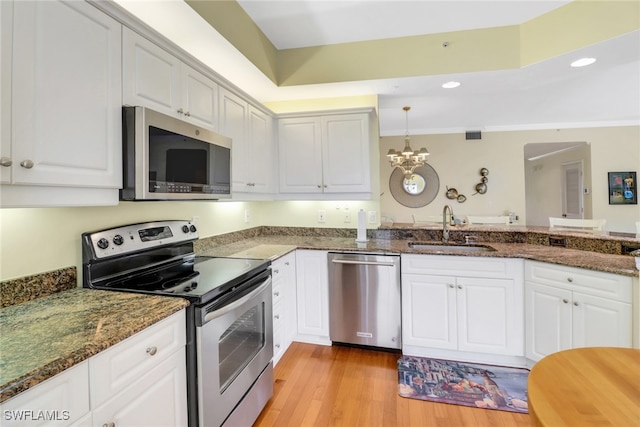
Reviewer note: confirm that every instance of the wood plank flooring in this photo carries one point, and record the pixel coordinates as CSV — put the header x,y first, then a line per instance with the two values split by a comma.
x,y
351,387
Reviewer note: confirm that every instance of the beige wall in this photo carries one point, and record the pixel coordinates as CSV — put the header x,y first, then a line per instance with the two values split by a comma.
x,y
458,161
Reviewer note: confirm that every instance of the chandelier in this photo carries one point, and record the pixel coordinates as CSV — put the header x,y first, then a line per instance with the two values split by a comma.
x,y
407,160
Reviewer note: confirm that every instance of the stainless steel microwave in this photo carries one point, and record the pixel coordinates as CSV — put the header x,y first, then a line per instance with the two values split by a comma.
x,y
165,158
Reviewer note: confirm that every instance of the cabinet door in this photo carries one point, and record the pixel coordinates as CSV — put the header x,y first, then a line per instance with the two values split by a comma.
x,y
65,397
199,98
152,76
429,311
548,320
260,161
300,155
6,42
66,95
233,124
346,158
312,293
490,316
157,398
600,322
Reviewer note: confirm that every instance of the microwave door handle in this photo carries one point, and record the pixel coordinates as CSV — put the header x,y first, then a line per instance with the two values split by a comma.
x,y
227,308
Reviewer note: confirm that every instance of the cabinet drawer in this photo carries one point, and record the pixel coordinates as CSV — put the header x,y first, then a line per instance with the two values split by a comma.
x,y
114,369
590,282
65,395
461,266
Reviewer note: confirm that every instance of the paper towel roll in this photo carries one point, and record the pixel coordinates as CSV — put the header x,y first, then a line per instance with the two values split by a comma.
x,y
362,226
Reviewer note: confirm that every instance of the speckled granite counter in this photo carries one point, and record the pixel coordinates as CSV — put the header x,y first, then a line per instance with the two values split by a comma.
x,y
45,336
397,241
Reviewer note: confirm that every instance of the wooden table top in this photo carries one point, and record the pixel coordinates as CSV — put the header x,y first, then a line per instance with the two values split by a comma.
x,y
596,386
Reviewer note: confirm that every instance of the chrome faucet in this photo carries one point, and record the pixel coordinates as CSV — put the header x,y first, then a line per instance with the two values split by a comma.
x,y
446,222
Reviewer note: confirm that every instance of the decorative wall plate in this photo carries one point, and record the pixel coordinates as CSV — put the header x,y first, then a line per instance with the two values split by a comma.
x,y
407,195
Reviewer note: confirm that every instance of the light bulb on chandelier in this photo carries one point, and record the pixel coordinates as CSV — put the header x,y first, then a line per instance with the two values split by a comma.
x,y
407,160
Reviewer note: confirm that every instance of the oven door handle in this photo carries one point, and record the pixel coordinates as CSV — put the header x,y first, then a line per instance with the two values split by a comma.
x,y
237,303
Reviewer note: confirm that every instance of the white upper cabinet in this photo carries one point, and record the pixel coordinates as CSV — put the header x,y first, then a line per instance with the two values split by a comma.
x,y
6,13
250,131
325,155
62,127
156,79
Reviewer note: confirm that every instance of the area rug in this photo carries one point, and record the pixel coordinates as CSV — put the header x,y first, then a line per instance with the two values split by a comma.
x,y
462,383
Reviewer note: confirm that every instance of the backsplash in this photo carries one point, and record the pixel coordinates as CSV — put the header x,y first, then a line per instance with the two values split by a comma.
x,y
23,289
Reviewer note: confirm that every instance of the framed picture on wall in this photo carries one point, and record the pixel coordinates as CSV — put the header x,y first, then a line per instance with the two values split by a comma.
x,y
623,188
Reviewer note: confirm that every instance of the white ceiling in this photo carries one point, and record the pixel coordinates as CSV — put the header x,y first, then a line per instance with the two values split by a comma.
x,y
548,94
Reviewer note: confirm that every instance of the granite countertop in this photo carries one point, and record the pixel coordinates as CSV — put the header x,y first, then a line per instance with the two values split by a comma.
x,y
43,337
272,247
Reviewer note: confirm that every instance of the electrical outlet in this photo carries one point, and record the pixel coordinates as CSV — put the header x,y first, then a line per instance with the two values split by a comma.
x,y
322,215
247,215
347,216
373,217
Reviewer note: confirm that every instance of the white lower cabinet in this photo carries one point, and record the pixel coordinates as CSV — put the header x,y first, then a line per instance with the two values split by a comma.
x,y
59,401
569,307
284,303
140,381
462,304
312,296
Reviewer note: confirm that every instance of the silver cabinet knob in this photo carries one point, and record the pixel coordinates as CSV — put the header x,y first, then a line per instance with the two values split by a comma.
x,y
451,286
576,304
109,424
276,271
459,287
6,161
188,114
152,350
566,301
286,263
570,279
180,111
277,345
27,164
275,294
277,316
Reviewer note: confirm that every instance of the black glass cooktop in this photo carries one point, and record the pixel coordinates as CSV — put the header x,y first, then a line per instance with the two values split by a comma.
x,y
200,279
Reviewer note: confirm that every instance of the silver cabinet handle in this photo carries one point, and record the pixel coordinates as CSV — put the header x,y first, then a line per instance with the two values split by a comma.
x,y
6,161
346,261
152,350
27,164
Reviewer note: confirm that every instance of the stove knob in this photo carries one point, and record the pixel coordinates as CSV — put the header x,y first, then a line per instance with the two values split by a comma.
x,y
193,228
103,243
118,239
185,228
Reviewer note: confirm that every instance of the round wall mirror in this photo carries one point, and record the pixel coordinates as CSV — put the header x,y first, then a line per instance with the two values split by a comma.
x,y
416,191
414,185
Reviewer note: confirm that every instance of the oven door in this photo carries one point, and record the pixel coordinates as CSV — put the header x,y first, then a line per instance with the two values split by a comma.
x,y
235,345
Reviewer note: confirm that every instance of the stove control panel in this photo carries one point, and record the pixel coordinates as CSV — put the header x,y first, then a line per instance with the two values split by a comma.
x,y
136,237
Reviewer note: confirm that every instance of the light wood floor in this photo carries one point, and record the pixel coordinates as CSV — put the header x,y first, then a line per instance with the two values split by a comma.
x,y
343,386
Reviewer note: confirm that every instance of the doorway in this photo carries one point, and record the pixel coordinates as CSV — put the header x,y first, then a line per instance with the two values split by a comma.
x,y
572,191
552,191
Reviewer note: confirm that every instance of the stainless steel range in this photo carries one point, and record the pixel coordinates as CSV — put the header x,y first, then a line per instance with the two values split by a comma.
x,y
229,322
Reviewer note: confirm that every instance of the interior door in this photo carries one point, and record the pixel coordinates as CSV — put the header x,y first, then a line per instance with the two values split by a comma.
x,y
572,198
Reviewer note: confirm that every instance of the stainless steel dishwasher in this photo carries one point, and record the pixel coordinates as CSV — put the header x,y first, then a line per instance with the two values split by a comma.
x,y
364,299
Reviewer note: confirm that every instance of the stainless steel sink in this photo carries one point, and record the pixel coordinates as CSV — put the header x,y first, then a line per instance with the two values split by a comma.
x,y
462,247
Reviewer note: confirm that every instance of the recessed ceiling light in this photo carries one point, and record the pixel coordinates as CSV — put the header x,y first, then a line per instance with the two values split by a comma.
x,y
583,62
451,85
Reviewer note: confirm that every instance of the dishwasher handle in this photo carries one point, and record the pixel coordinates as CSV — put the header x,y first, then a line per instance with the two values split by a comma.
x,y
356,262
